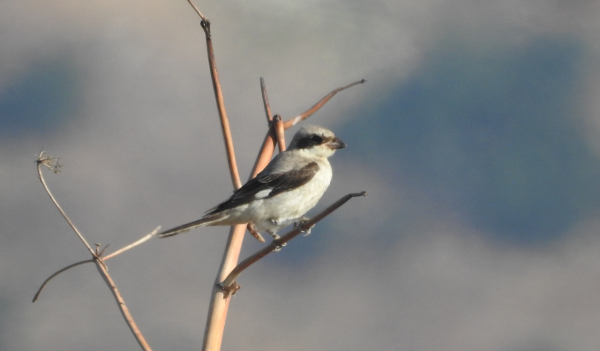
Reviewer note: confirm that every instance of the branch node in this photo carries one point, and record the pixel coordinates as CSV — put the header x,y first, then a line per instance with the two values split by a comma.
x,y
205,24
229,290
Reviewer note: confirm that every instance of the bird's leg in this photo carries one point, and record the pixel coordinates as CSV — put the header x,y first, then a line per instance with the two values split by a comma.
x,y
300,222
274,235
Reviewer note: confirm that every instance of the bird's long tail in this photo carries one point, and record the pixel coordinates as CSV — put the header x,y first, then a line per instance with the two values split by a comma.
x,y
204,221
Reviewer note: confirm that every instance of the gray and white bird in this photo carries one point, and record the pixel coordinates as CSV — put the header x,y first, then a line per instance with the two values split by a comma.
x,y
290,185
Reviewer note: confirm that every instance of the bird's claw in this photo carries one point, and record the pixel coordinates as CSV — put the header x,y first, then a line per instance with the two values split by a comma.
x,y
300,223
276,237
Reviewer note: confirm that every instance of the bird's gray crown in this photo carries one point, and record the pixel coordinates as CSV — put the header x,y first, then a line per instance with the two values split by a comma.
x,y
309,136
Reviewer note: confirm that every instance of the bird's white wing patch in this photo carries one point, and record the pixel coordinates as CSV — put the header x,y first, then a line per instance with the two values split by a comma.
x,y
263,193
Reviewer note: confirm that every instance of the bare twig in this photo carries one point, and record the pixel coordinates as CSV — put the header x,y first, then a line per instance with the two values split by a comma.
x,y
268,146
229,283
52,164
219,304
37,294
198,11
235,178
265,154
132,245
292,122
265,97
103,270
279,132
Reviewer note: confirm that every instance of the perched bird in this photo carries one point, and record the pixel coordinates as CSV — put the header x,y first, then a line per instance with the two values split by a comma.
x,y
290,185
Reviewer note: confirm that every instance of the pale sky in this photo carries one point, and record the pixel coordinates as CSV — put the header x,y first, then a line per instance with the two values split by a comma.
x,y
120,90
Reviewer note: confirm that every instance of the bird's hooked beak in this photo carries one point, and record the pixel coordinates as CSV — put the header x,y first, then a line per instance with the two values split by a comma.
x,y
336,143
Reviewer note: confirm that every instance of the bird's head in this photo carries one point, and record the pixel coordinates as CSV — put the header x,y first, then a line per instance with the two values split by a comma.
x,y
318,141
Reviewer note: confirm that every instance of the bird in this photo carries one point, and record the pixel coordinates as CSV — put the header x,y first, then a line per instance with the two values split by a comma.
x,y
289,186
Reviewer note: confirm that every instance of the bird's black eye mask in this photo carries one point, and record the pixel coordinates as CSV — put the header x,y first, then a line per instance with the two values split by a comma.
x,y
310,141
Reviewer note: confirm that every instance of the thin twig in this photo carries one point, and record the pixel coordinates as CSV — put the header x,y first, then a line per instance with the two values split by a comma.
x,y
292,122
132,245
51,163
235,178
121,303
268,146
265,97
229,283
279,132
198,11
265,154
37,294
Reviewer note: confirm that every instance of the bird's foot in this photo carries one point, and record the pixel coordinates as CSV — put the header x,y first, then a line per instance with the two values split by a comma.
x,y
301,221
276,237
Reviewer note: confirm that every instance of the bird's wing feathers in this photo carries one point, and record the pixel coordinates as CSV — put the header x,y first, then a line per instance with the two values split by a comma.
x,y
266,185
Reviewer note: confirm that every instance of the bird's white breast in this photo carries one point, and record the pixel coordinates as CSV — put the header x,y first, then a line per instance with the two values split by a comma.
x,y
284,208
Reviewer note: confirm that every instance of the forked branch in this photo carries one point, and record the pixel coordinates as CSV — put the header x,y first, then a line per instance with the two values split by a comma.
x,y
52,164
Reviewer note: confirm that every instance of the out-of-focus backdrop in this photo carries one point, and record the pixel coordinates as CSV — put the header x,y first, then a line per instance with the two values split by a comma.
x,y
477,137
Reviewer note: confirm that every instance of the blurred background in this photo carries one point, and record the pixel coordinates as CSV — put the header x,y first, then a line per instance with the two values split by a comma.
x,y
476,135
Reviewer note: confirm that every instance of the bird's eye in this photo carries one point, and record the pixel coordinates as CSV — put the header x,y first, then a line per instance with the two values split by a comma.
x,y
317,139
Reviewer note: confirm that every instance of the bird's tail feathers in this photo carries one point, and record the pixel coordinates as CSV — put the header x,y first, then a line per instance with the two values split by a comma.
x,y
204,221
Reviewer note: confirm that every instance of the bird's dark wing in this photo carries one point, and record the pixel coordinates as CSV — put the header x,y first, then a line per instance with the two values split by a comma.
x,y
268,185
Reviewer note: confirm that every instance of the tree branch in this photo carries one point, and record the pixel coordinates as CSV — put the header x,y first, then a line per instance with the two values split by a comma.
x,y
230,285
301,117
52,163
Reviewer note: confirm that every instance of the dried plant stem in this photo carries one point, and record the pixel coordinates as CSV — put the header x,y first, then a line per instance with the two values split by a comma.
x,y
265,154
121,303
279,132
44,159
235,178
198,11
49,162
301,117
37,294
229,284
217,314
120,251
220,299
219,304
268,146
132,245
265,97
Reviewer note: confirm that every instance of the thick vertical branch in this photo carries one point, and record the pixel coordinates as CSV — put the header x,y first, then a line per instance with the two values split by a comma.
x,y
220,299
217,314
